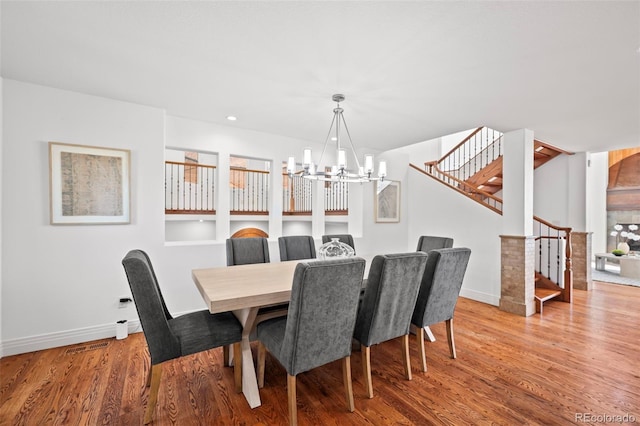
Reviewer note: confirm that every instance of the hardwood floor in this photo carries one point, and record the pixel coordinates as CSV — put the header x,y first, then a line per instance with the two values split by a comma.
x,y
580,358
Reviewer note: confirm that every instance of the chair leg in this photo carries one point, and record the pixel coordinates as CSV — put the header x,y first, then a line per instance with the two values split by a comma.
x,y
452,343
423,356
149,376
405,357
225,355
291,396
348,387
366,369
156,373
237,366
261,360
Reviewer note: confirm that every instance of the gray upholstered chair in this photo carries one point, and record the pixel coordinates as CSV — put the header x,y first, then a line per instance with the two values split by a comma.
x,y
427,243
297,247
243,251
387,304
319,326
169,338
438,294
344,238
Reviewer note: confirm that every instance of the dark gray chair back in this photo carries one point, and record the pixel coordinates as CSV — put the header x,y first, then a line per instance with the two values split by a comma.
x,y
162,342
440,285
344,238
427,243
297,247
169,338
322,315
243,251
390,296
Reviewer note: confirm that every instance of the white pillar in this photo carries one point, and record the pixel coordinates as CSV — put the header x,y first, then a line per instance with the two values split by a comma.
x,y
317,207
517,189
356,206
275,201
223,218
517,242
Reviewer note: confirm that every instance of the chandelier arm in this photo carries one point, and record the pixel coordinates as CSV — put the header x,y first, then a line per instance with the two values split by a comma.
x,y
353,150
326,141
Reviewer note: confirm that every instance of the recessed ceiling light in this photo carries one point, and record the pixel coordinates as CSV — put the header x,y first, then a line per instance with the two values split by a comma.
x,y
232,117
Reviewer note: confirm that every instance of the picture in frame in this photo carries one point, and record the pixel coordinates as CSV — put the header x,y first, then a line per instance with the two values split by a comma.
x,y
88,185
387,201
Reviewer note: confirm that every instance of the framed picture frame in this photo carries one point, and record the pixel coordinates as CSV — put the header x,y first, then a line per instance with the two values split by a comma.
x,y
387,201
88,185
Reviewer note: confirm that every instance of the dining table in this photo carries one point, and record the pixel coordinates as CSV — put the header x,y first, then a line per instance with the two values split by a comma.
x,y
243,290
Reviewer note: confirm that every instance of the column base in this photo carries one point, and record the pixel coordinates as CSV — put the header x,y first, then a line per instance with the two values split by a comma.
x,y
518,308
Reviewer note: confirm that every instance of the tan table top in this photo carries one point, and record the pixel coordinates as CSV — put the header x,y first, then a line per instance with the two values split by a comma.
x,y
228,288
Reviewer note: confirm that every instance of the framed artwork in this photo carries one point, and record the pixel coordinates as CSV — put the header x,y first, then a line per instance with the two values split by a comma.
x,y
387,201
88,185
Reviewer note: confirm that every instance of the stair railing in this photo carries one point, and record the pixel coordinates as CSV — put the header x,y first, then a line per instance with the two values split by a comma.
x,y
553,257
486,199
553,243
189,188
473,153
248,191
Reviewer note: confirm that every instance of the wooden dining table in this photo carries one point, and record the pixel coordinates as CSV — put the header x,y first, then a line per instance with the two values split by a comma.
x,y
243,290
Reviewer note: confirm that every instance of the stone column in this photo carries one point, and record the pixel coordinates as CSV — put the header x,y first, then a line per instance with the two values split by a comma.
x,y
517,273
581,254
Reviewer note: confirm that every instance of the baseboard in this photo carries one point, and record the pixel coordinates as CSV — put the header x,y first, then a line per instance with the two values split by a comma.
x,y
478,296
62,338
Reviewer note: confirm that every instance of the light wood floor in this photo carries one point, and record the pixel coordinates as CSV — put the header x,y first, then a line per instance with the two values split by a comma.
x,y
580,358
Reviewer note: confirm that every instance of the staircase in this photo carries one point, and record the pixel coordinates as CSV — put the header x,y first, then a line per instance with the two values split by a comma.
x,y
474,168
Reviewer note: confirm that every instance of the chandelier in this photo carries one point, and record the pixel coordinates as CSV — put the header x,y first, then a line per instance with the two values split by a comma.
x,y
338,172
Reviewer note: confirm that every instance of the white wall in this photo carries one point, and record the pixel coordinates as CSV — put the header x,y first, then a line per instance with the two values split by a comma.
x,y
1,145
435,209
61,284
63,279
571,190
1,244
431,208
379,238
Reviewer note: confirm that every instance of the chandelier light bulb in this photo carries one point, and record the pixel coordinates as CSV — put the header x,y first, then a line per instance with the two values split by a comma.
x,y
306,156
382,169
368,164
291,165
342,159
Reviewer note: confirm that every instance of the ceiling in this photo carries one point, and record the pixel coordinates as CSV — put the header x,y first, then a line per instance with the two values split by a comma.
x,y
411,71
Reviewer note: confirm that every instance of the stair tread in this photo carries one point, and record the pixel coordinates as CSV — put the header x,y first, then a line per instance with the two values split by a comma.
x,y
544,294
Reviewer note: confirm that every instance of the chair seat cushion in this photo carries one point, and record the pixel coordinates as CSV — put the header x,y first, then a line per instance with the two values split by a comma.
x,y
201,330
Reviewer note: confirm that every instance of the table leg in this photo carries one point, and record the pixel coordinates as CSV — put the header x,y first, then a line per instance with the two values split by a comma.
x,y
247,318
429,334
